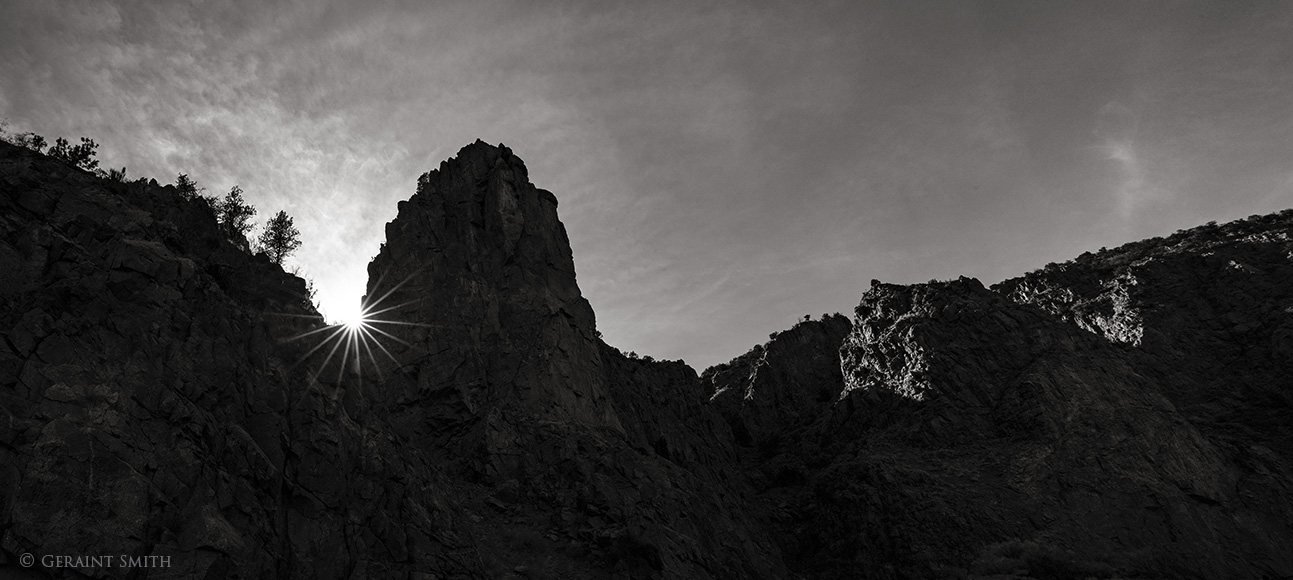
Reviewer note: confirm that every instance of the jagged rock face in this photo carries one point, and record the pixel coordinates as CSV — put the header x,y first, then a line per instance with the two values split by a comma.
x,y
982,435
782,385
1054,426
501,376
1121,415
148,407
949,341
478,259
1209,307
665,411
154,402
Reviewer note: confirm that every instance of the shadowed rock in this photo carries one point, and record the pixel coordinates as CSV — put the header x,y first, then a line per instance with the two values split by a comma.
x,y
1122,415
782,385
500,374
478,271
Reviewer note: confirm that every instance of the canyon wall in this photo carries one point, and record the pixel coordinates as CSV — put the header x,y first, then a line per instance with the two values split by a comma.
x,y
164,393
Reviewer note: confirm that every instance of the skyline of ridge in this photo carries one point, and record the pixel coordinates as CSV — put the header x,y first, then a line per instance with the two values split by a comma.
x,y
722,169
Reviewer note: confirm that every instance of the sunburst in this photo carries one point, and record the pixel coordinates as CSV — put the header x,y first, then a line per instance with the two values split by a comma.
x,y
359,334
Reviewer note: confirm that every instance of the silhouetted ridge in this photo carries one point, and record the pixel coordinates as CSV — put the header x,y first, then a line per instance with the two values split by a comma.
x,y
166,394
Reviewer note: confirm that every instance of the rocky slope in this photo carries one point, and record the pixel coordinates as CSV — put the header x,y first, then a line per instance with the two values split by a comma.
x,y
160,399
152,404
786,383
1209,307
161,393
1124,414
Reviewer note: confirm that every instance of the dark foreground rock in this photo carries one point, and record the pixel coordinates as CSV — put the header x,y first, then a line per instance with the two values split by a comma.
x,y
788,382
1122,415
498,373
152,405
160,399
164,393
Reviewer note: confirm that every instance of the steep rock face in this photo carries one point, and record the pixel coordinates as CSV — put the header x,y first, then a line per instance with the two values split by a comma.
x,y
160,394
167,394
665,411
782,385
1076,431
478,261
498,372
151,404
1115,416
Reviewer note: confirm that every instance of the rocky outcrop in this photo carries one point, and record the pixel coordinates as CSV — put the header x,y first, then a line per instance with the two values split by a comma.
x,y
780,386
498,372
149,407
1087,420
1209,308
478,261
164,393
1055,428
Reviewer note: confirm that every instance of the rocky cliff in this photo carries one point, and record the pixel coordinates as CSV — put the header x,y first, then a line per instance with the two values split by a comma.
x,y
163,393
499,373
786,383
478,261
1121,415
153,403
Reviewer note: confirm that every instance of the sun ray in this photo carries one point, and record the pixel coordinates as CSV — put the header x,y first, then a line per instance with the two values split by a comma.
x,y
315,331
353,337
371,313
391,336
383,348
290,315
369,350
345,354
331,353
401,323
393,288
321,344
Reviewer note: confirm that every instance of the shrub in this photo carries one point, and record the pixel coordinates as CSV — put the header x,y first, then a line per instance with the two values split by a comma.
x,y
29,140
79,155
118,175
310,292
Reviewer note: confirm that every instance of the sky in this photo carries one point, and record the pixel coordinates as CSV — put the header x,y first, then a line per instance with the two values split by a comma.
x,y
723,168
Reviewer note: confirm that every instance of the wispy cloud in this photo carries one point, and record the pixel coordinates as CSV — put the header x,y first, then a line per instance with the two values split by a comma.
x,y
1117,126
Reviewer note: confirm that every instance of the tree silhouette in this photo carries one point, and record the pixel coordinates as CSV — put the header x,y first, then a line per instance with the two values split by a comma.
x,y
280,238
187,188
79,155
234,214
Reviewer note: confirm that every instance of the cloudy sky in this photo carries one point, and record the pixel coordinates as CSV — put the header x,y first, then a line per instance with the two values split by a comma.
x,y
724,168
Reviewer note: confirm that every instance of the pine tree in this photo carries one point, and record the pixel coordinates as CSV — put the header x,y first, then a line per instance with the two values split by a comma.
x,y
187,188
234,214
280,238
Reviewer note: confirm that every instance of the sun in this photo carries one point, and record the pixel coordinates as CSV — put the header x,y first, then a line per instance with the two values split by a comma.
x,y
352,318
354,323
356,333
